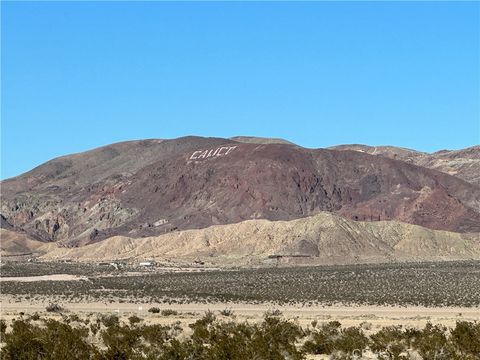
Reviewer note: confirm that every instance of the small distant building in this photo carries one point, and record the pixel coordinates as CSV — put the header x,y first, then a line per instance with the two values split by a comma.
x,y
147,263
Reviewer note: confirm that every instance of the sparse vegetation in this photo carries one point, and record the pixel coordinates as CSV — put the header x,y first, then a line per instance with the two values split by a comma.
x,y
110,320
226,312
134,320
424,284
466,338
54,308
212,338
168,312
52,340
3,328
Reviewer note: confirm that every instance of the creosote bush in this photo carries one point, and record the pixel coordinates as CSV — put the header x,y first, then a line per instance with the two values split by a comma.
x,y
428,284
53,340
168,312
226,312
54,308
210,338
466,338
110,320
134,320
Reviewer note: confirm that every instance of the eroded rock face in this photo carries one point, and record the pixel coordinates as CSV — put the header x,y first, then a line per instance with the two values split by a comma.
x,y
464,164
152,187
320,239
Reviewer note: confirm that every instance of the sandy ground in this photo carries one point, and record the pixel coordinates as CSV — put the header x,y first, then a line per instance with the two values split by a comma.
x,y
57,277
370,318
374,317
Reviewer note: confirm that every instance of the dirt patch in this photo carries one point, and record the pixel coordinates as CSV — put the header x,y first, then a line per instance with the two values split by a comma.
x,y
56,277
375,316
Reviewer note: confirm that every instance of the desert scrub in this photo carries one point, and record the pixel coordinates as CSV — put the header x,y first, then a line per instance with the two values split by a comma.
x,y
3,329
169,312
322,340
54,307
134,320
426,284
154,310
54,340
227,312
466,338
391,340
213,338
109,320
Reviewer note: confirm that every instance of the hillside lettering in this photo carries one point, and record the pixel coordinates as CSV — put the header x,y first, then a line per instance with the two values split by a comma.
x,y
205,154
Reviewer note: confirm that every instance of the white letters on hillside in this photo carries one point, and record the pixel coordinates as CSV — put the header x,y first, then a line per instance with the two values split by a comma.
x,y
204,154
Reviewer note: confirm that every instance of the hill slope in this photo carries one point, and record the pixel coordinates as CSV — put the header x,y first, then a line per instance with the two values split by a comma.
x,y
323,238
152,187
464,164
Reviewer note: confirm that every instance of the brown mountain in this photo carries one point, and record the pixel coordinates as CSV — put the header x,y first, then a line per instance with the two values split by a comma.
x,y
151,187
464,164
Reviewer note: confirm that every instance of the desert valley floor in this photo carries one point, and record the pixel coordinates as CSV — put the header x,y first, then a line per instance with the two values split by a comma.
x,y
369,297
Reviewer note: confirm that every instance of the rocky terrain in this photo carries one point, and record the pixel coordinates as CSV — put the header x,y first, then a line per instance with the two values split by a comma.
x,y
464,163
155,189
321,239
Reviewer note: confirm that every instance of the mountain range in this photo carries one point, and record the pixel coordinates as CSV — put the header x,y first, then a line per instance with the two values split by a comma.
x,y
349,202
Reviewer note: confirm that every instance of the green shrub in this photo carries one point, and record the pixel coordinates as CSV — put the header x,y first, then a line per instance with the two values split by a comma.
x,y
273,312
3,326
432,343
54,307
391,341
273,339
169,312
322,340
3,329
109,320
122,342
94,328
154,310
133,320
74,318
466,338
226,312
156,334
351,339
215,339
54,341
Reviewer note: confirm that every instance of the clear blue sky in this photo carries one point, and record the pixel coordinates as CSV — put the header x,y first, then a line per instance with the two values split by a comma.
x,y
78,75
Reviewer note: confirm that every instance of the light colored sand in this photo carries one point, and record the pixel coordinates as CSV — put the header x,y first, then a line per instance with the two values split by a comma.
x,y
56,277
376,316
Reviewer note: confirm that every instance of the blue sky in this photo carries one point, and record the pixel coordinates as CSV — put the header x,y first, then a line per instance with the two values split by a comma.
x,y
77,75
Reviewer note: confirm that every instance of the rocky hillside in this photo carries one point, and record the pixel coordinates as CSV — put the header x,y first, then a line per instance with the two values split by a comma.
x,y
321,239
153,187
464,164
